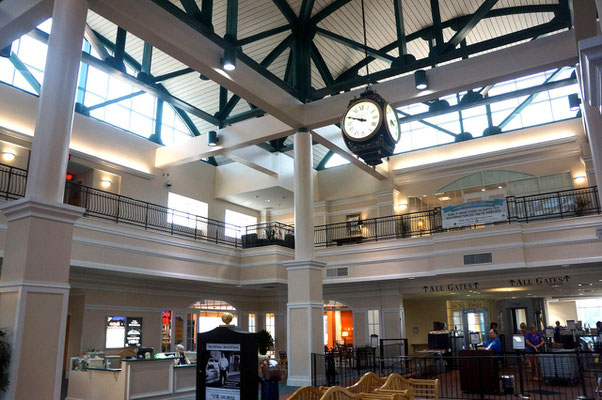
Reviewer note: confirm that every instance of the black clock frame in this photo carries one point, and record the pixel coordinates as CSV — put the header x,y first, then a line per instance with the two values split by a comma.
x,y
380,143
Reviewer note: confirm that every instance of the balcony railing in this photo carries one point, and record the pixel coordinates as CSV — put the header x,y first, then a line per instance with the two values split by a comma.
x,y
126,210
374,229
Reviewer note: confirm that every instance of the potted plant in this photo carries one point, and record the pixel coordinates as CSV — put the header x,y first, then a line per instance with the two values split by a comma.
x,y
580,205
404,227
265,342
270,233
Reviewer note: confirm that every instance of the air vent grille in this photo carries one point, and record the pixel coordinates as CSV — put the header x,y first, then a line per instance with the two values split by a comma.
x,y
337,272
482,258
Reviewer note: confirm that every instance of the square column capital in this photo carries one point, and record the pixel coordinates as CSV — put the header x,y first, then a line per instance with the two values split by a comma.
x,y
311,264
31,207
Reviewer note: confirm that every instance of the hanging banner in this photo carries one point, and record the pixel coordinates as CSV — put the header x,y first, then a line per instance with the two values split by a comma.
x,y
473,213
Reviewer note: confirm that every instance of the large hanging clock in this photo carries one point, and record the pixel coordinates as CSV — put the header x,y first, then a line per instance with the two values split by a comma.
x,y
370,127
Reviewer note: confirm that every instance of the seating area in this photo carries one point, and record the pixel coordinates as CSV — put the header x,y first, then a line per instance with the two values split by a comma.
x,y
371,386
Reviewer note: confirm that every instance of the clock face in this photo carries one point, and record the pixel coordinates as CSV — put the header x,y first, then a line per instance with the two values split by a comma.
x,y
362,119
393,123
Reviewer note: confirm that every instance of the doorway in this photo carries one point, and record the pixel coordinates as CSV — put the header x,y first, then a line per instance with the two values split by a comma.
x,y
475,320
338,325
519,316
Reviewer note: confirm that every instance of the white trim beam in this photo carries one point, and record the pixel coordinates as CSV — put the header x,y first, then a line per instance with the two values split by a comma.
x,y
17,17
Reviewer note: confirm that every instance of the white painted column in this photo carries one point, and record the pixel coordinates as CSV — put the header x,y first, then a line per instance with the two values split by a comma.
x,y
304,196
57,100
305,330
34,283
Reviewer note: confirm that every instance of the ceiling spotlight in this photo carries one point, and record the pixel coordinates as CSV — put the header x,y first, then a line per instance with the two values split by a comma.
x,y
483,189
420,79
499,187
212,138
462,137
438,105
574,102
228,61
8,155
492,130
471,97
203,77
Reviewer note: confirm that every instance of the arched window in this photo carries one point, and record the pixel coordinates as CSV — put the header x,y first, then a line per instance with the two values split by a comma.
x,y
205,315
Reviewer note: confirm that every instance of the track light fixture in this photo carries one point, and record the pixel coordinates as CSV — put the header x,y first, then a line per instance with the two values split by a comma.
x,y
212,138
574,102
420,79
228,61
471,97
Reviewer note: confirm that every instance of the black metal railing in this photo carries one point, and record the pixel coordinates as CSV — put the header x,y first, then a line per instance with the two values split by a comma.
x,y
373,229
561,375
12,182
269,233
562,204
123,209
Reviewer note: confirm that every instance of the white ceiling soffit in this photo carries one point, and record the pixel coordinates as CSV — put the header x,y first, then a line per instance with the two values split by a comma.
x,y
17,17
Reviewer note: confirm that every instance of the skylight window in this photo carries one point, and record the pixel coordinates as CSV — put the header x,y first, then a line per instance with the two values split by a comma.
x,y
335,161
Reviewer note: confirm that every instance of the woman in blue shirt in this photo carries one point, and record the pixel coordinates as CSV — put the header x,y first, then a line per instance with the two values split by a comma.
x,y
533,341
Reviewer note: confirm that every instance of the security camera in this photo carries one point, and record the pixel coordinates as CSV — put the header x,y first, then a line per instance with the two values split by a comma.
x,y
168,184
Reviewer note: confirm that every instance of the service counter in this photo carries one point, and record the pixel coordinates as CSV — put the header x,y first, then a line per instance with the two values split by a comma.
x,y
136,379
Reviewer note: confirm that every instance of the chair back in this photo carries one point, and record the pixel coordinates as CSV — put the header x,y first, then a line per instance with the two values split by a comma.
x,y
368,383
306,393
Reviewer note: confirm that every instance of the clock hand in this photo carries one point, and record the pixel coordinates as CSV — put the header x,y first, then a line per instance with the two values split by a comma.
x,y
359,119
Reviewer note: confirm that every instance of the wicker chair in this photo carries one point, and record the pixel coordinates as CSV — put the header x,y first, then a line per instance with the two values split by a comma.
x,y
307,393
418,388
368,383
341,393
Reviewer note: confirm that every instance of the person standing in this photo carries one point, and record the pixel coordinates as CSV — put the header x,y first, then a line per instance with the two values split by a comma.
x,y
223,365
533,341
557,332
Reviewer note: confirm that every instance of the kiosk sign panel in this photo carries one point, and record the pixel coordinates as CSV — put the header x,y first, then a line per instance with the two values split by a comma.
x,y
476,212
133,332
222,371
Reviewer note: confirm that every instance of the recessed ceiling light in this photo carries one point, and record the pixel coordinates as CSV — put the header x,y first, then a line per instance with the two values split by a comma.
x,y
268,200
424,195
453,293
499,187
412,278
483,189
581,284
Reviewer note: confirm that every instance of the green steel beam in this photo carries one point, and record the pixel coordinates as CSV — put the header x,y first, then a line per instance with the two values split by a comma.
x,y
355,45
492,99
328,10
174,74
244,115
305,12
424,32
474,19
202,29
321,65
147,58
400,29
287,11
115,100
156,136
92,38
345,83
288,72
223,99
437,26
187,121
231,21
192,9
437,127
207,12
528,100
325,160
266,62
262,35
25,72
120,47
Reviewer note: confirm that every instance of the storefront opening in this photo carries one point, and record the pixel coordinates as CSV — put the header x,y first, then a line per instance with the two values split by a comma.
x,y
338,325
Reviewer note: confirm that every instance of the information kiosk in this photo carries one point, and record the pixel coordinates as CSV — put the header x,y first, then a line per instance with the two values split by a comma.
x,y
227,363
